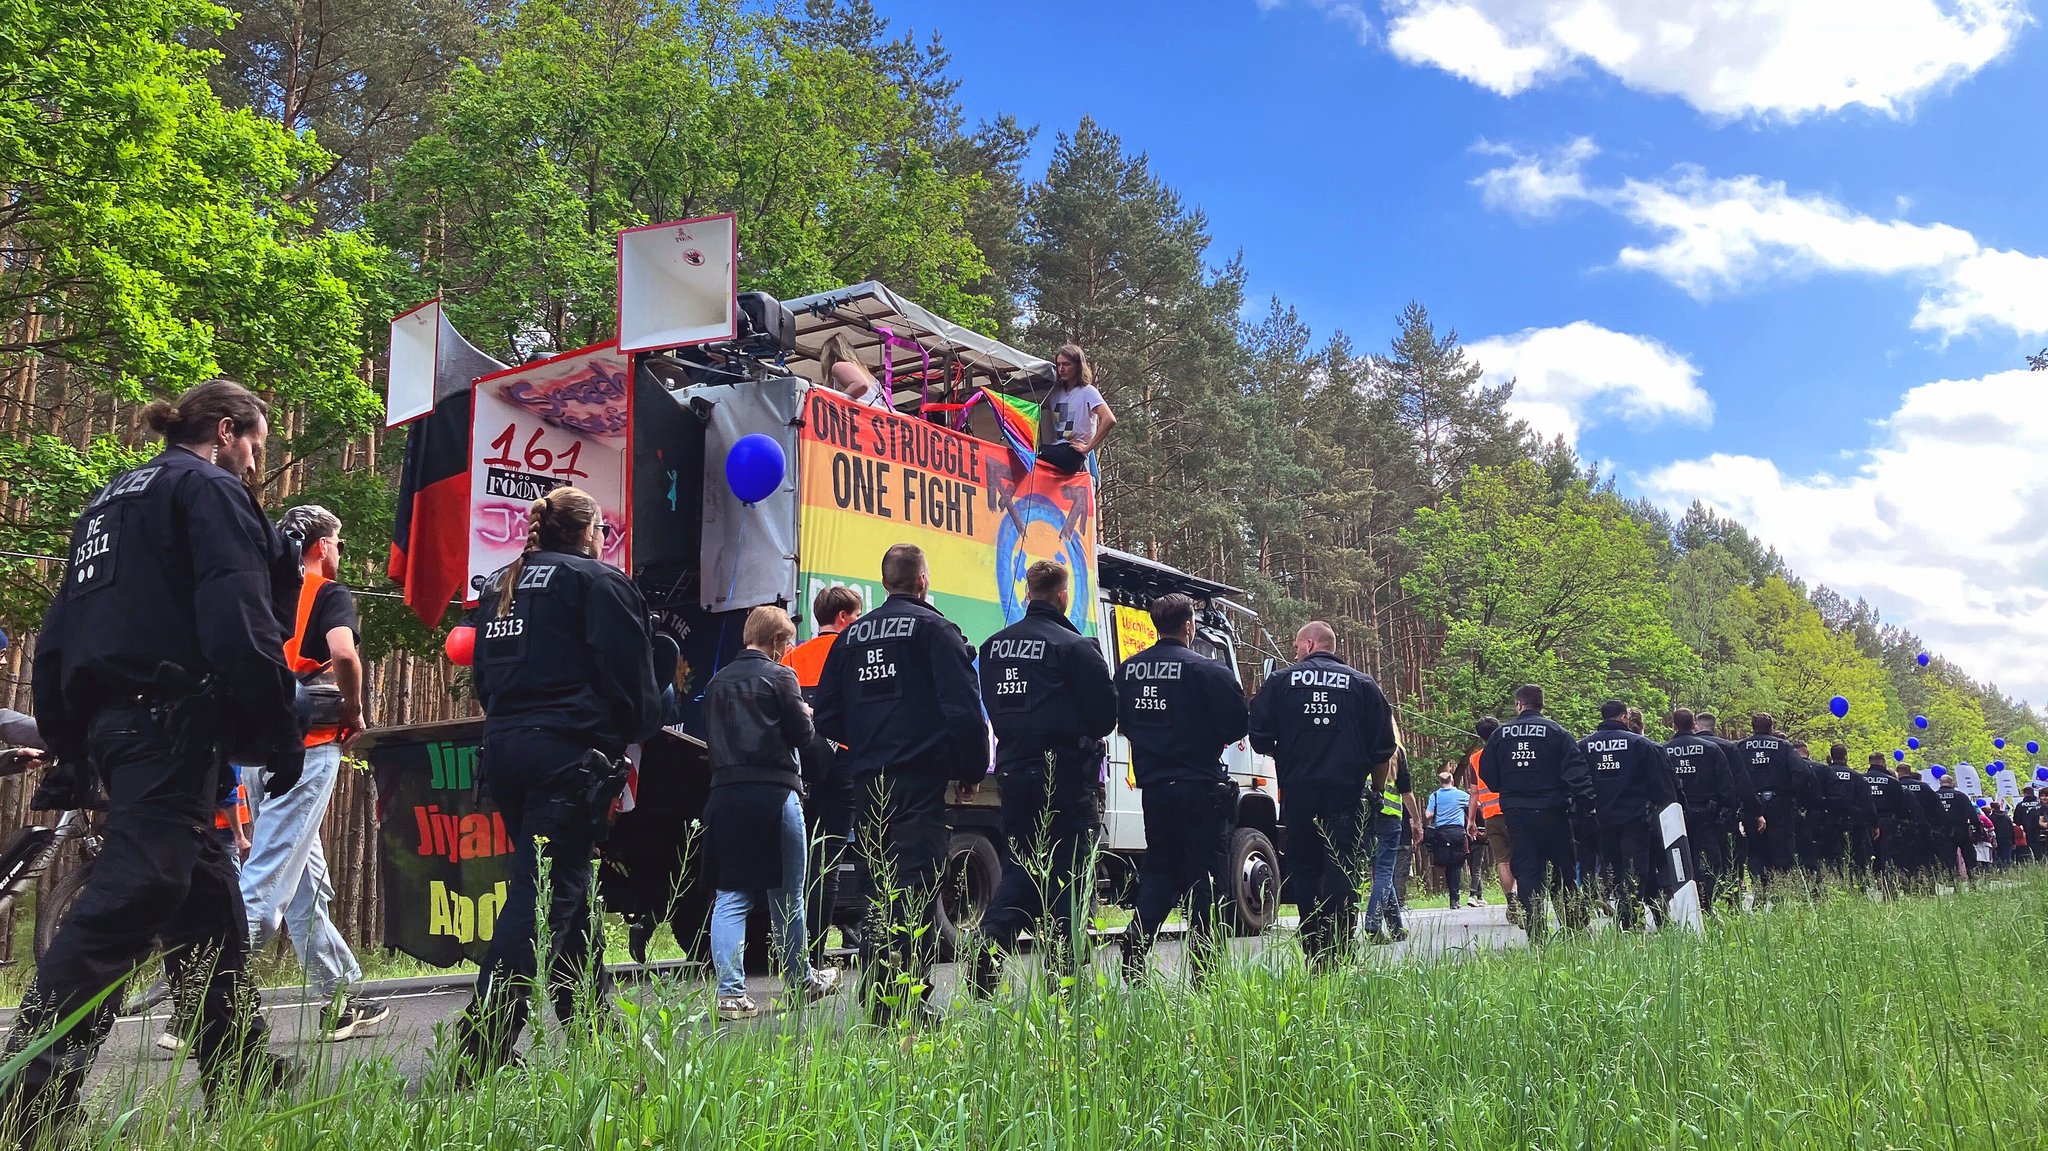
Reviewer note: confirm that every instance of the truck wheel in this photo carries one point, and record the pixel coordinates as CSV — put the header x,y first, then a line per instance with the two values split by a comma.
x,y
1254,880
967,884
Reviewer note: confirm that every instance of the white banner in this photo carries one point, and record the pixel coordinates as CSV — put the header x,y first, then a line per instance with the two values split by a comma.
x,y
540,426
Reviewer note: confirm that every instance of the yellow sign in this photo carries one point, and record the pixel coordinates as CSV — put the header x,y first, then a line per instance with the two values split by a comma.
x,y
1134,631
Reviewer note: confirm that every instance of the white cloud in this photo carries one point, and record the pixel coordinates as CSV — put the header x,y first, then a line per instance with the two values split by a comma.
x,y
1786,58
1942,524
1350,13
1570,378
1713,233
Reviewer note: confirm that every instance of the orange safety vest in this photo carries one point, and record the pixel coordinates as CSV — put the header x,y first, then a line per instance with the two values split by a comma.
x,y
807,659
300,665
238,803
1484,795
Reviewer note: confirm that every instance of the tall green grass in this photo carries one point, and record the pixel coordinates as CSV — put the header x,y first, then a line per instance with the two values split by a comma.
x,y
1842,1023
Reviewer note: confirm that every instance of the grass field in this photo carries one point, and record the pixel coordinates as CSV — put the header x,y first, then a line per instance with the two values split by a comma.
x,y
1842,1023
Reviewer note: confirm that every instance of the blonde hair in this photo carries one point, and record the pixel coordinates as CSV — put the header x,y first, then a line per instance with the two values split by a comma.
x,y
767,627
558,521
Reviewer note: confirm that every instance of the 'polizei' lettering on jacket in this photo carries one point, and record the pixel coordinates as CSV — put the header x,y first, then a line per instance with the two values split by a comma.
x,y
887,627
1525,730
1606,745
1311,678
1031,649
1152,669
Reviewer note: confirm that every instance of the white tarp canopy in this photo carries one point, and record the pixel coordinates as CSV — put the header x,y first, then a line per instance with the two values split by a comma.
x,y
857,311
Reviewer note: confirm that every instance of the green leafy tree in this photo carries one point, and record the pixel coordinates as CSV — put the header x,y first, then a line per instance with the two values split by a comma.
x,y
587,116
148,241
1559,589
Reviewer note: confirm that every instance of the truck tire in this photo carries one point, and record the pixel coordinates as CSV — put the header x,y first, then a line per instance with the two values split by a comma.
x,y
1254,879
966,885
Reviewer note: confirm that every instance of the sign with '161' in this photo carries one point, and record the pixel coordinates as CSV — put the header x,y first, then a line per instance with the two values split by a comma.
x,y
552,423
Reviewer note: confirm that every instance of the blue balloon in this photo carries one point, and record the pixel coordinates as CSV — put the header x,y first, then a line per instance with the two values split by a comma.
x,y
1898,757
2033,747
1939,771
1996,766
754,468
1839,706
1999,743
1983,803
1920,721
2041,773
1923,659
1913,743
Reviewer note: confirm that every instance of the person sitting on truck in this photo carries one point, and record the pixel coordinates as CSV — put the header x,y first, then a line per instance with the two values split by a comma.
x,y
1051,703
1330,732
844,372
899,691
1180,709
1074,419
757,721
830,794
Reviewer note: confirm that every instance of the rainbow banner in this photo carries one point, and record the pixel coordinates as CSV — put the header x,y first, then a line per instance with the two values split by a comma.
x,y
1016,419
869,479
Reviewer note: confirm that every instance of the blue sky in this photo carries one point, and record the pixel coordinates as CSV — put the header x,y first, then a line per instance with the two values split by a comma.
x,y
1804,242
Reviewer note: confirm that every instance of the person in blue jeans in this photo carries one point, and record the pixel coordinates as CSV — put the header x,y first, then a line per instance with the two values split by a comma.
x,y
757,721
1392,843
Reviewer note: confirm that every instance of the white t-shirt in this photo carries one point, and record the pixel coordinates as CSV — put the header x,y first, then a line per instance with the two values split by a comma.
x,y
1074,411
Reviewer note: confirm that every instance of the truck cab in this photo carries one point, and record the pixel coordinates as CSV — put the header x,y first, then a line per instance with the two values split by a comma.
x,y
1127,584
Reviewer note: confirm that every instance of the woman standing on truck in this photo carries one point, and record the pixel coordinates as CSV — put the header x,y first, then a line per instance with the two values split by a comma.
x,y
565,674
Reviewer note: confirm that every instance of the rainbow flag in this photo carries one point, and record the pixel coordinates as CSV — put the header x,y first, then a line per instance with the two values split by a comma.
x,y
1017,418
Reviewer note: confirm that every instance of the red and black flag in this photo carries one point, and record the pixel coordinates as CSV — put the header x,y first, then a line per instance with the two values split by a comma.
x,y
430,537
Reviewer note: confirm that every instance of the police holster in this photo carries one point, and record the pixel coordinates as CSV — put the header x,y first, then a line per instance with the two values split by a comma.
x,y
186,709
604,779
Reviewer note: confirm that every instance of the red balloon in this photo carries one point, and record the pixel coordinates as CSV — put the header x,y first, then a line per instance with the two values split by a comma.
x,y
461,646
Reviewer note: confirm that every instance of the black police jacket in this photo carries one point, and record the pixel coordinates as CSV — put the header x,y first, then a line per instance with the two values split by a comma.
x,y
1179,709
1776,769
1707,785
1325,724
1928,815
573,654
1631,776
1536,765
1958,814
2032,818
755,722
173,563
1888,796
899,691
1048,691
1847,795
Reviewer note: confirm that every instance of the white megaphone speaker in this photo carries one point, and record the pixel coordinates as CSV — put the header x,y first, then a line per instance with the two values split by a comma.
x,y
429,361
678,284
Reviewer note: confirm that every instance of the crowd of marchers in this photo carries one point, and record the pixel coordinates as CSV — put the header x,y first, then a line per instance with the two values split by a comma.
x,y
191,636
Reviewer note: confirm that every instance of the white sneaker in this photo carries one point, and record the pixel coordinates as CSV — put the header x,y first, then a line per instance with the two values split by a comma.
x,y
823,981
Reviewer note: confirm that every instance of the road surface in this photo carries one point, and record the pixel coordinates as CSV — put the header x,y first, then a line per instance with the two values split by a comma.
x,y
131,1057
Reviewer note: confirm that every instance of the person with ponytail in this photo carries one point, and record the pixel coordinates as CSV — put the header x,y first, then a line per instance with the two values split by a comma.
x,y
565,673
161,660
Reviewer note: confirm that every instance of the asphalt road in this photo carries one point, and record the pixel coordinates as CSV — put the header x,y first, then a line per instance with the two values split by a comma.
x,y
131,1058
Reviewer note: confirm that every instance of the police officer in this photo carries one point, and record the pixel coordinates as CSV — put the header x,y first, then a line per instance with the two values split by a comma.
x,y
1888,799
899,692
1713,800
1955,854
1782,784
161,657
1545,789
1739,840
1849,798
1632,783
1051,702
1330,732
1822,827
1179,709
565,673
1929,823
